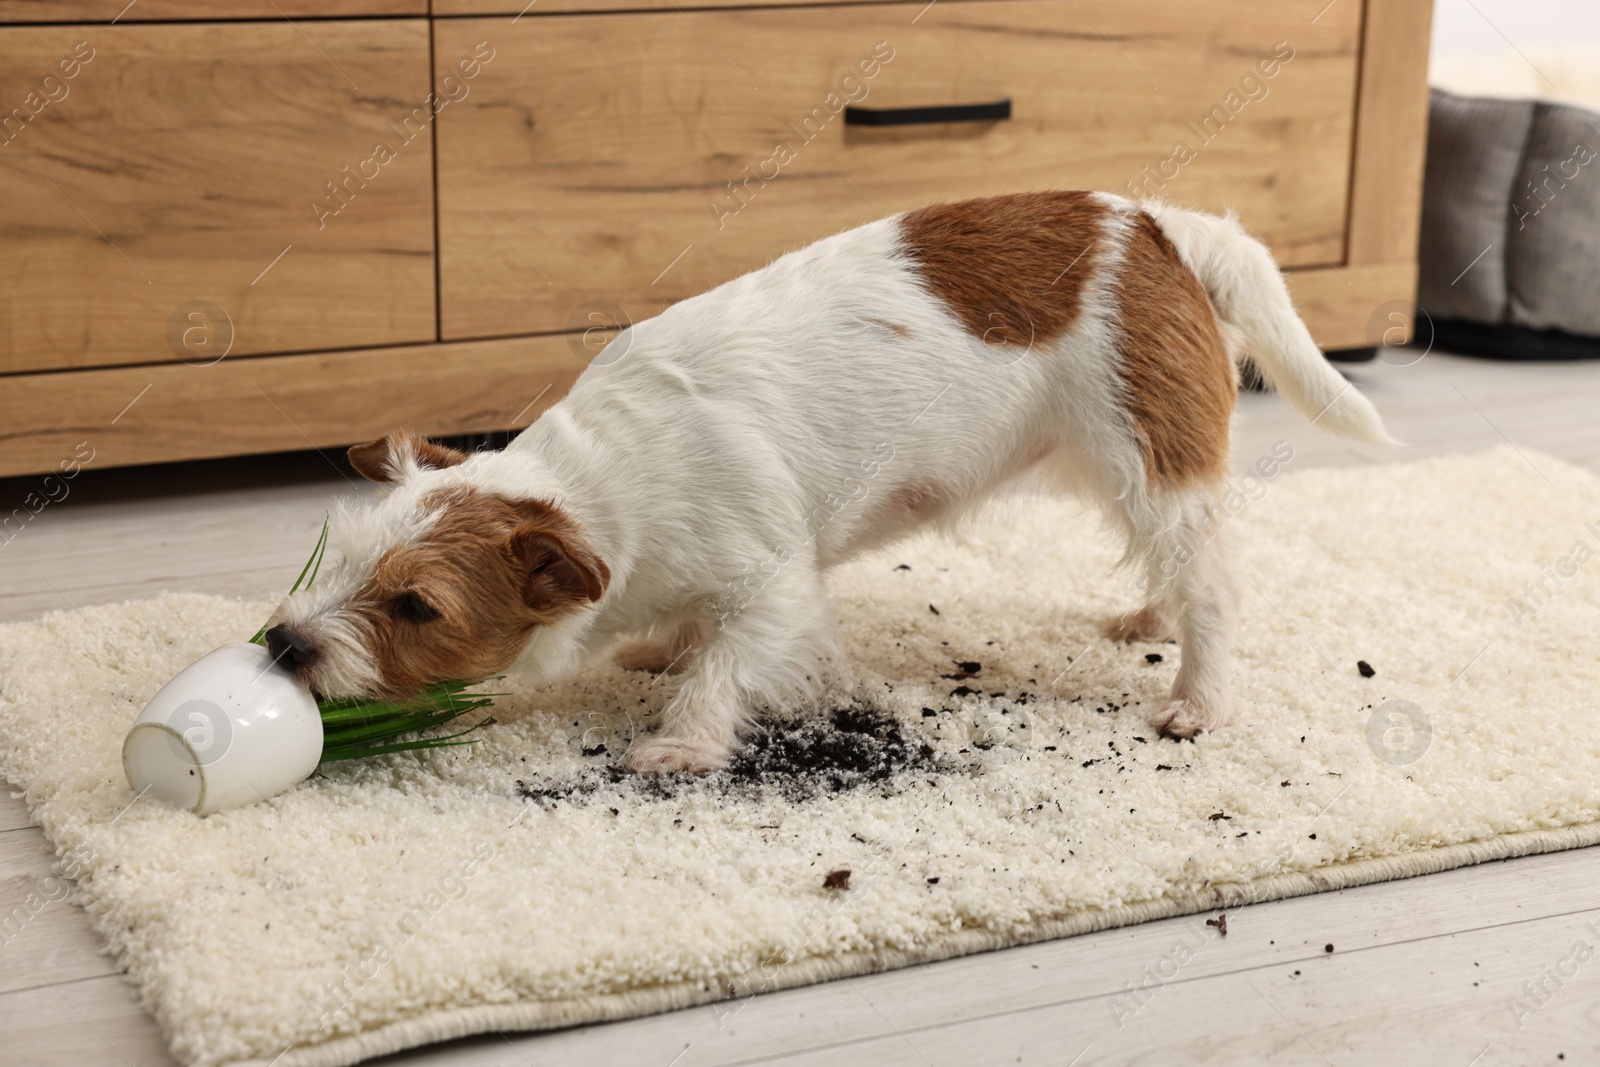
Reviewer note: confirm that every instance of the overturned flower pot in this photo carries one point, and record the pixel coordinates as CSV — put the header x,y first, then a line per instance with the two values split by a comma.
x,y
230,729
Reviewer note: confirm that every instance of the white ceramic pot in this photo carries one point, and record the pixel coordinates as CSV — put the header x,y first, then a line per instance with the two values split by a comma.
x,y
230,729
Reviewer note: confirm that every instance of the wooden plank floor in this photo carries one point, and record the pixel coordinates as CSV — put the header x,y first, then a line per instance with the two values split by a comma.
x,y
1429,970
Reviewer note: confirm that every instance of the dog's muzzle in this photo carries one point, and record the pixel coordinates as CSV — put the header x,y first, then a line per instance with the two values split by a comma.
x,y
289,648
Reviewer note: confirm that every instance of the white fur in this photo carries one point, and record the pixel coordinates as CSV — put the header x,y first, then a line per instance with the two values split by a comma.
x,y
720,456
1248,291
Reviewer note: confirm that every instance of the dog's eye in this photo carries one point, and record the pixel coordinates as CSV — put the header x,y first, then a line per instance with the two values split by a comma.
x,y
411,606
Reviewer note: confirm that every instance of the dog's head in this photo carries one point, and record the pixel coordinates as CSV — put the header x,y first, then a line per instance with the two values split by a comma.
x,y
441,578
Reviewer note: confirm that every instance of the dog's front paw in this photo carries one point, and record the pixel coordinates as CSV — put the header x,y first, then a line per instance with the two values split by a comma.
x,y
671,755
1186,716
1149,623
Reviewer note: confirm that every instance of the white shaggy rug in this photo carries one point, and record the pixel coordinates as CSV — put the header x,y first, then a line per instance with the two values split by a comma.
x,y
519,883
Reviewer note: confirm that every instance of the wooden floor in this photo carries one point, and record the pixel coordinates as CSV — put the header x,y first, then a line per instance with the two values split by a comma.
x,y
1470,968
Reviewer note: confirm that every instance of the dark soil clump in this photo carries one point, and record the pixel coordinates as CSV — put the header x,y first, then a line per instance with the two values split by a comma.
x,y
801,758
844,750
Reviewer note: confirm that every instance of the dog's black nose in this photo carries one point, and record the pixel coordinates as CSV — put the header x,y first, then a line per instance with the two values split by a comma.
x,y
288,648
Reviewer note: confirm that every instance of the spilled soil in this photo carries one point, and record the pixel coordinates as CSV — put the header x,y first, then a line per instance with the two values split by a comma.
x,y
799,759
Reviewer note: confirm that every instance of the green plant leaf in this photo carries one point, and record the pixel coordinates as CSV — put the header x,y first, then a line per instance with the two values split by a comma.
x,y
315,558
403,746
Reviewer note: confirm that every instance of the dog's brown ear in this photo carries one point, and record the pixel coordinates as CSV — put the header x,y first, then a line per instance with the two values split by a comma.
x,y
371,460
556,568
384,460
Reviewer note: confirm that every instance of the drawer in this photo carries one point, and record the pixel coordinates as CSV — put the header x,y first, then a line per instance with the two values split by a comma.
x,y
161,10
126,415
547,7
641,158
171,200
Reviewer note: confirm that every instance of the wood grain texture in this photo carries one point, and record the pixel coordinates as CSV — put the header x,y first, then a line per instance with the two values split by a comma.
x,y
1381,1006
13,812
275,404
93,1021
43,938
559,187
245,583
1391,132
1347,307
549,7
232,529
211,10
181,164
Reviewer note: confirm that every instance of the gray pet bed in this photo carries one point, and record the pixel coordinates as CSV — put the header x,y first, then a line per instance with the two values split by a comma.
x,y
1510,256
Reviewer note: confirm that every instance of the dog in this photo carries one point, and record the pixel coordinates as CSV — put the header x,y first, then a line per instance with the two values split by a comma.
x,y
687,495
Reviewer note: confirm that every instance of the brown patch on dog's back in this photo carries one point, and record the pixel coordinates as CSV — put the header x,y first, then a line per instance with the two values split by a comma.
x,y
489,571
1011,268
1177,370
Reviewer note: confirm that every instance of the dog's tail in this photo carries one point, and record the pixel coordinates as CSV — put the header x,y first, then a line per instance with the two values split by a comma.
x,y
1248,292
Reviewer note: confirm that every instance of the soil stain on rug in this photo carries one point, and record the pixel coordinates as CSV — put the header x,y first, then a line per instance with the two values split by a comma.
x,y
799,759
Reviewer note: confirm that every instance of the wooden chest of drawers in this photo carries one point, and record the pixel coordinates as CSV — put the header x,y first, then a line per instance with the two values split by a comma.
x,y
314,223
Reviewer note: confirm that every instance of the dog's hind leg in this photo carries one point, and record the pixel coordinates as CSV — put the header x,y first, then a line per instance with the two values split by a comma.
x,y
1200,584
1178,381
1157,619
763,651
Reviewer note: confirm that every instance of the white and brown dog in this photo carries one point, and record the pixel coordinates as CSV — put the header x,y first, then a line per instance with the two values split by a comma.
x,y
697,481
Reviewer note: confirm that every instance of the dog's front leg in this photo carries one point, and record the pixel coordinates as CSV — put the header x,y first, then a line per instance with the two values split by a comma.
x,y
699,725
761,653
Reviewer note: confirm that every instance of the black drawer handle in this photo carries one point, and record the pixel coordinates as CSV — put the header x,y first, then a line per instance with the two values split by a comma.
x,y
916,116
